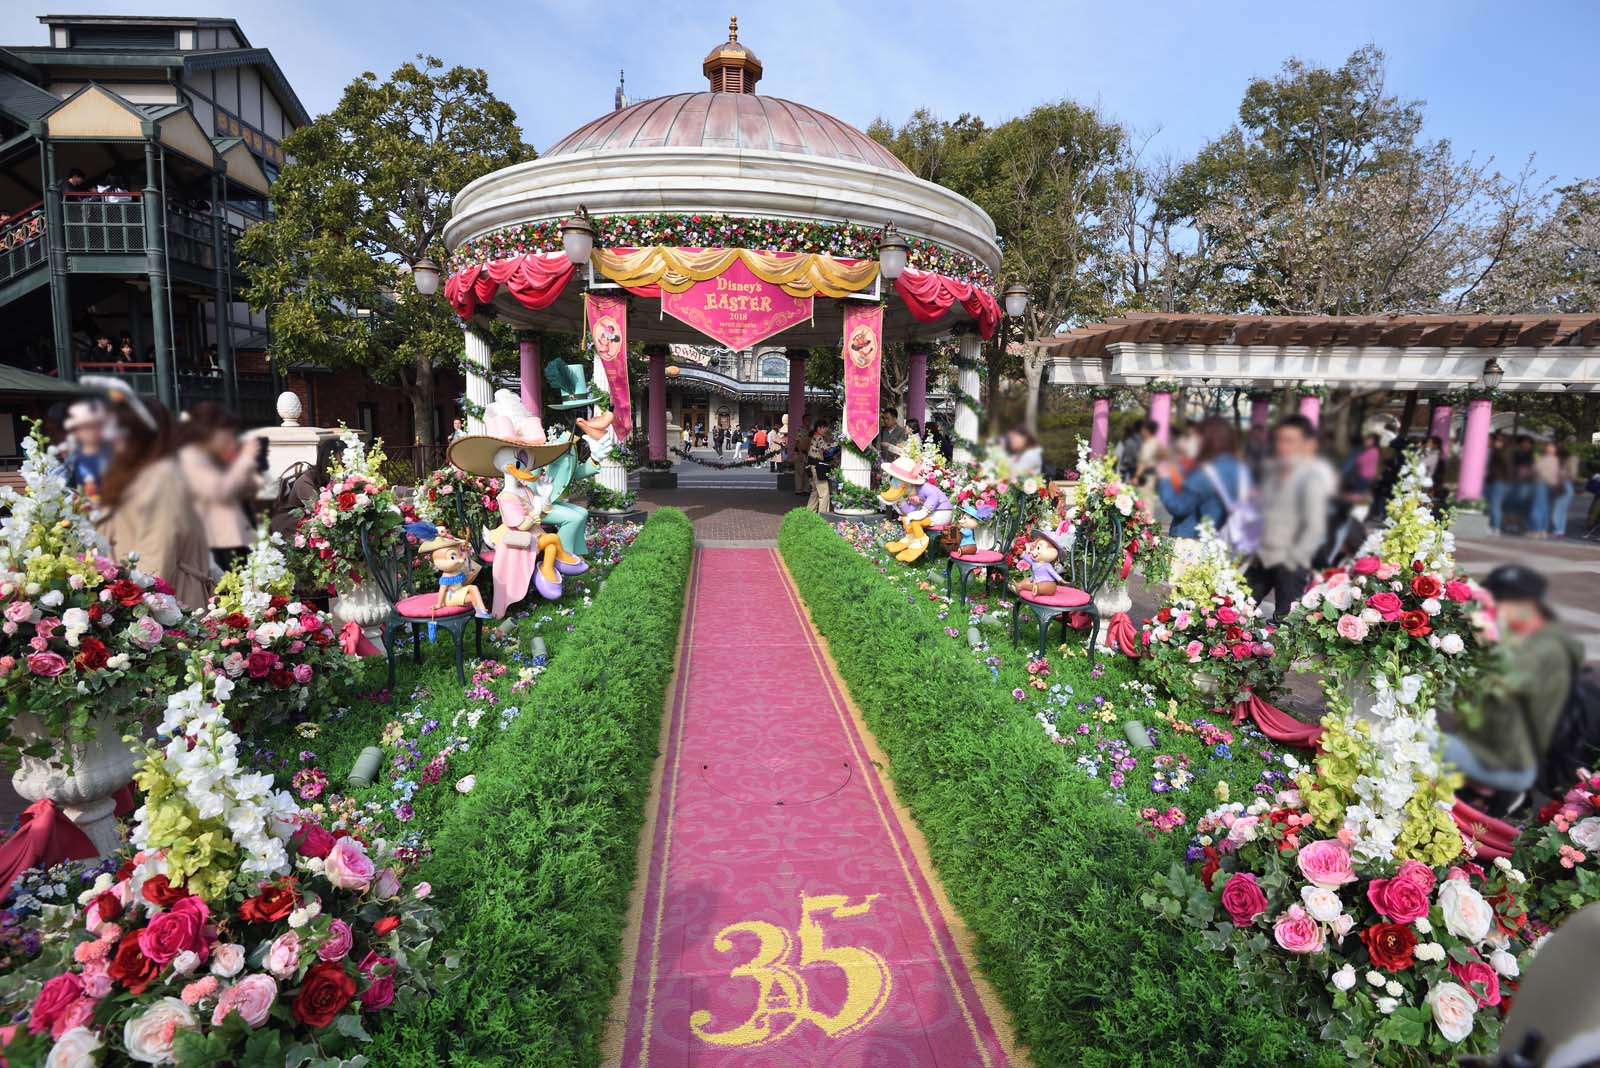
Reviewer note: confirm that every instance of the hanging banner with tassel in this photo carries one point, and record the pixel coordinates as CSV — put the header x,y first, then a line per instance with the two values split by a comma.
x,y
606,316
863,366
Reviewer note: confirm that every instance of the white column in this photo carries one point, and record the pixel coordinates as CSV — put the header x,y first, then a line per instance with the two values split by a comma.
x,y
968,383
480,390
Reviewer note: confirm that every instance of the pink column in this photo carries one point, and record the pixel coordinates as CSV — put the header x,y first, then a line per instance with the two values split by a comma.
x,y
1260,411
1311,408
1474,451
1161,415
658,404
528,361
797,397
1439,425
917,388
1100,429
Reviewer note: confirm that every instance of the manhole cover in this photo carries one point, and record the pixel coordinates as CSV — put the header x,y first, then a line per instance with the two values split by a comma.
x,y
779,775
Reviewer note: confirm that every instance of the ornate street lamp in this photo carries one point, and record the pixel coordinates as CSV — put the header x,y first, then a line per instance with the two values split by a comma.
x,y
892,252
425,276
1016,299
1493,373
577,237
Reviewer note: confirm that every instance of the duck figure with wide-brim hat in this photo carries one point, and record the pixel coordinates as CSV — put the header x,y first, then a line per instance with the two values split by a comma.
x,y
921,505
1044,549
515,447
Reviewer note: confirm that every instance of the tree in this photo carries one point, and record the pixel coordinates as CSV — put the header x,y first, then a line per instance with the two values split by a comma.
x,y
366,193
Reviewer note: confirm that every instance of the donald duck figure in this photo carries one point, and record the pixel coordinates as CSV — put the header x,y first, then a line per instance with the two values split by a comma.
x,y
920,503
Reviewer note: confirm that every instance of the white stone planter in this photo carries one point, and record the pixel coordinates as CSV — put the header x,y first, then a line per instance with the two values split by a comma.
x,y
855,511
1204,682
80,780
362,602
613,476
1110,602
986,536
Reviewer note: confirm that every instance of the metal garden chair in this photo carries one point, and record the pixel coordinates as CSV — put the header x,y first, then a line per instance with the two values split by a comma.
x,y
392,569
1088,564
991,562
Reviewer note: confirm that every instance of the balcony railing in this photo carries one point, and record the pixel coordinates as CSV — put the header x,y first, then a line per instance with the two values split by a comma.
x,y
22,242
103,223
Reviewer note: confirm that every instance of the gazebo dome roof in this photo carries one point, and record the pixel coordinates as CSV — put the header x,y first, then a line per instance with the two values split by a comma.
x,y
727,120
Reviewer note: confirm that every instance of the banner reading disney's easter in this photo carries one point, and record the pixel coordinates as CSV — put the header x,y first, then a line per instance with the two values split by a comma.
x,y
737,308
607,316
863,359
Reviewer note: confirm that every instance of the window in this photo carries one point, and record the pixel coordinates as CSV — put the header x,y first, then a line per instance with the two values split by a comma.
x,y
124,37
367,417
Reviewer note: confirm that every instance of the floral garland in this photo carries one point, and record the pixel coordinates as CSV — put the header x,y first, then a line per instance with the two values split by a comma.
x,y
719,465
841,240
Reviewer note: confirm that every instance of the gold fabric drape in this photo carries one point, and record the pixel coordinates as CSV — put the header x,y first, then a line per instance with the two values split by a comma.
x,y
804,274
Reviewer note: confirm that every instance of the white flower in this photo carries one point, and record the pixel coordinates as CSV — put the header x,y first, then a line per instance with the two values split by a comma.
x,y
1371,616
1424,925
1466,914
74,1049
1377,978
186,962
1430,951
1505,963
1387,1005
1453,1009
1432,606
1323,904
1451,644
1393,989
52,599
1344,978
1585,834
148,1036
227,959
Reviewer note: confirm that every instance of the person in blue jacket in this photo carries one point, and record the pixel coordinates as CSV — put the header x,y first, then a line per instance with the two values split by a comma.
x,y
1209,489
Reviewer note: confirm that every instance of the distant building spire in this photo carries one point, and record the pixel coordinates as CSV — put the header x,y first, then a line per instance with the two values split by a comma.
x,y
622,97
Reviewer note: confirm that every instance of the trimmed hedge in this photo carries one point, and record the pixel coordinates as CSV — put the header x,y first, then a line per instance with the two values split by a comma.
x,y
1044,869
533,868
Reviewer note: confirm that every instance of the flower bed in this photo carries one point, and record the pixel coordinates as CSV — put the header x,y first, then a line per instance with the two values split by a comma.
x,y
1037,853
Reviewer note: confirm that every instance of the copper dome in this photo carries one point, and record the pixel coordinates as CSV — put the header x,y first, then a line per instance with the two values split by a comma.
x,y
727,120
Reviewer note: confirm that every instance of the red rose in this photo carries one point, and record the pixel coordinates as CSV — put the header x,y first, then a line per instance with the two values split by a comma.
x,y
260,663
280,679
92,653
108,906
1243,898
1416,623
1480,979
1548,812
1390,946
385,924
1208,870
1165,615
236,620
159,891
1227,615
126,592
130,967
315,841
347,501
327,989
1234,633
53,999
97,612
273,903
1509,916
278,600
1426,586
1386,604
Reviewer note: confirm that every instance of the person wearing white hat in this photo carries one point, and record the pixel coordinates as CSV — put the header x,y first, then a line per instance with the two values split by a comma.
x,y
921,505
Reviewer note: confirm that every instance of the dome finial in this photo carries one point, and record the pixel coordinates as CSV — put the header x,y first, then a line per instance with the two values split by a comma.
x,y
733,28
730,66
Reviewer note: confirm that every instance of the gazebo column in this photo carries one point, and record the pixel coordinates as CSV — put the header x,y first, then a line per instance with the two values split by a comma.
x,y
1260,411
797,400
480,390
528,372
657,425
917,388
1100,426
1161,415
1439,419
1311,408
1474,451
968,354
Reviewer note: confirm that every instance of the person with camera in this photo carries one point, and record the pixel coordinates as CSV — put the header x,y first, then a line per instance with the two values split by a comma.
x,y
223,473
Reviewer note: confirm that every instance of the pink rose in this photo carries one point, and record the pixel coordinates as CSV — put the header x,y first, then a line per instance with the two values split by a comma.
x,y
379,995
347,865
1399,900
78,1014
1351,628
146,632
251,997
1297,932
54,998
1456,590
47,664
1417,872
1241,650
283,956
1366,565
1387,572
180,928
1326,863
1243,898
260,663
1386,604
337,945
96,979
1195,651
1219,651
19,612
1227,615
1479,978
388,884
302,673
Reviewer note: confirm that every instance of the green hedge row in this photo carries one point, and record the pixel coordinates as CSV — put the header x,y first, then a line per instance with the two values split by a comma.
x,y
533,868
1045,870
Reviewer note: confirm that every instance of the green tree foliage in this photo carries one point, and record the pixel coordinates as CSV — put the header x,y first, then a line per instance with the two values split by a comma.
x,y
366,193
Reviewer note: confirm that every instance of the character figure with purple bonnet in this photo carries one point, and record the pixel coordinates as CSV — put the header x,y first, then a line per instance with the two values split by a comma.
x,y
921,505
1040,558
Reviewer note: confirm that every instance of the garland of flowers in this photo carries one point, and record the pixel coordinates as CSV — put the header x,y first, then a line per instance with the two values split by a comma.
x,y
1163,385
1310,389
357,495
841,240
719,465
957,439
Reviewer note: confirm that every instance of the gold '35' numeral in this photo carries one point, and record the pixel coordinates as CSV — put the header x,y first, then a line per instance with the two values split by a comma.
x,y
782,999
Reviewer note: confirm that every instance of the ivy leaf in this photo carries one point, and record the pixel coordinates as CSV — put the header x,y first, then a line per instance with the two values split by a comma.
x,y
349,1025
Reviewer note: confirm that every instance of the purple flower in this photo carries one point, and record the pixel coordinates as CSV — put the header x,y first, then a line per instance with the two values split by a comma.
x,y
1018,694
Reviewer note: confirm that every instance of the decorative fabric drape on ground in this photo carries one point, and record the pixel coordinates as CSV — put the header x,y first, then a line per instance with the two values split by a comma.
x,y
1494,838
45,837
1277,724
930,296
1122,636
801,274
536,282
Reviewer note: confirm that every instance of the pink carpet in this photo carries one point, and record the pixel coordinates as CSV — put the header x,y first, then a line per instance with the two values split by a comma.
x,y
786,923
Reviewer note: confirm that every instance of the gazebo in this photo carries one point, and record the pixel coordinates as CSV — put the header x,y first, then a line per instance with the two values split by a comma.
x,y
729,216
1478,355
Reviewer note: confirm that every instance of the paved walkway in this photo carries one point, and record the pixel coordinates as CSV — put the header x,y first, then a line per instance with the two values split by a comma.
x,y
788,918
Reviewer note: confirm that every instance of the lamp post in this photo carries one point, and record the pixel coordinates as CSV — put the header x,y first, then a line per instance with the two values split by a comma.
x,y
425,276
1493,373
1016,298
577,237
893,252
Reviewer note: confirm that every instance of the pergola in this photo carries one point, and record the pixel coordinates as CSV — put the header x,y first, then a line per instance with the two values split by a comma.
x,y
723,190
1429,353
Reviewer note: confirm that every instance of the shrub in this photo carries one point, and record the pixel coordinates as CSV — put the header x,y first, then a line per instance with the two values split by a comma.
x,y
1044,869
533,868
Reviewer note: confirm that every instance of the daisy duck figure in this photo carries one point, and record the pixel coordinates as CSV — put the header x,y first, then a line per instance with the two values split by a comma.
x,y
921,504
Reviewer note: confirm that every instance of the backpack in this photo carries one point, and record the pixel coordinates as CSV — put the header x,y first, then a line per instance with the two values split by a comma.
x,y
1576,740
1241,529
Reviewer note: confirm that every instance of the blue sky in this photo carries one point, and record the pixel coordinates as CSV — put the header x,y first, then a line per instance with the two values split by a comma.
x,y
1498,80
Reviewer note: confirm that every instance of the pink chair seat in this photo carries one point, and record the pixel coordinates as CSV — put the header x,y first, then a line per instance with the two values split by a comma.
x,y
982,556
420,606
487,556
1064,597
